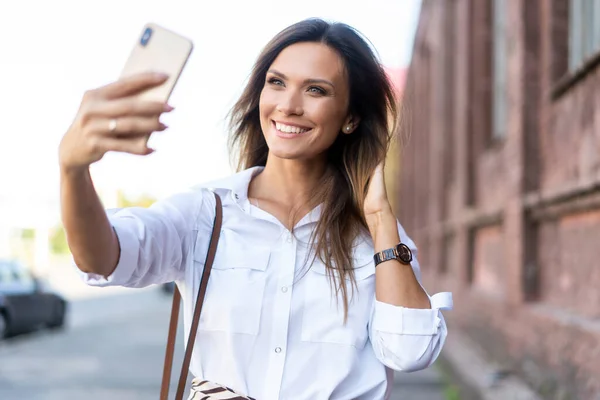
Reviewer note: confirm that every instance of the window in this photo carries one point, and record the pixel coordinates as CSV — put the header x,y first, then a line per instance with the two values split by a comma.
x,y
584,31
449,91
499,69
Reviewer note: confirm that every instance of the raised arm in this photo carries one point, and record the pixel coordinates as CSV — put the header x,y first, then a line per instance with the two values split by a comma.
x,y
110,118
92,241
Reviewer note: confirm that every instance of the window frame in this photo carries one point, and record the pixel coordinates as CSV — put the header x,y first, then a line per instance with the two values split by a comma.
x,y
582,56
499,54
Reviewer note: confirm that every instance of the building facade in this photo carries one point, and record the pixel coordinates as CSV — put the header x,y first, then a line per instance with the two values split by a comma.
x,y
499,181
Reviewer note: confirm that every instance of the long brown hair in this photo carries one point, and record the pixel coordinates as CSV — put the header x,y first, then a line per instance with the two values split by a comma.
x,y
351,159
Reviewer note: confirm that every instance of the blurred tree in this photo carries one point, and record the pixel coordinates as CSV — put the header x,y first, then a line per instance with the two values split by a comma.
x,y
393,160
58,241
140,201
58,237
27,234
22,245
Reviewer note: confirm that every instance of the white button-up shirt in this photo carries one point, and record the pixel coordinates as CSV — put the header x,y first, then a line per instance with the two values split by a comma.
x,y
270,326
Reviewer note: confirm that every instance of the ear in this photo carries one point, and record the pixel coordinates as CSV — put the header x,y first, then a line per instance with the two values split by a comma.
x,y
350,124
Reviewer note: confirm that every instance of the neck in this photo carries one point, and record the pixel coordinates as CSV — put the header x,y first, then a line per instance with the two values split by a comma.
x,y
287,182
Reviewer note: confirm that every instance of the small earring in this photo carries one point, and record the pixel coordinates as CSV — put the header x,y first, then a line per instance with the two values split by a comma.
x,y
348,128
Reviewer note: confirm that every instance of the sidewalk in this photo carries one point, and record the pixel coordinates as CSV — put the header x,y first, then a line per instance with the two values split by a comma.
x,y
422,385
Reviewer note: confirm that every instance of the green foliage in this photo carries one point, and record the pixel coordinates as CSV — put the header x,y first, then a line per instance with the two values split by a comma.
x,y
27,234
58,241
141,201
58,237
451,392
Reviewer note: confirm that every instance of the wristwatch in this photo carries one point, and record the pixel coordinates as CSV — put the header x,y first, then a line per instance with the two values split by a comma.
x,y
401,253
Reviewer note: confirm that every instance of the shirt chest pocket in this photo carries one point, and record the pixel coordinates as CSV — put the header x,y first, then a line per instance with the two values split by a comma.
x,y
323,319
234,296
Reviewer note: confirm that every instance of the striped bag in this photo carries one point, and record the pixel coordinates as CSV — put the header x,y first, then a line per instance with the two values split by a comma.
x,y
206,390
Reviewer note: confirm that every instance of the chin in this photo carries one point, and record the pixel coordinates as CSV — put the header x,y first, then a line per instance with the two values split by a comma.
x,y
287,154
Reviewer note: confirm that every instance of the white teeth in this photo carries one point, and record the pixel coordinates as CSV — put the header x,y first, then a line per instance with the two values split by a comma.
x,y
289,129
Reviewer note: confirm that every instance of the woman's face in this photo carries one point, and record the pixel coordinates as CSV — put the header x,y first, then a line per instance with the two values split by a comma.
x,y
304,103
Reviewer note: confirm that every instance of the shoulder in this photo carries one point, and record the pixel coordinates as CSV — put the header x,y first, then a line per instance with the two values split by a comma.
x,y
185,206
236,183
202,195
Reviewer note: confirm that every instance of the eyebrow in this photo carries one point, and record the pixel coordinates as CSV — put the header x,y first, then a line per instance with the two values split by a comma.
x,y
307,81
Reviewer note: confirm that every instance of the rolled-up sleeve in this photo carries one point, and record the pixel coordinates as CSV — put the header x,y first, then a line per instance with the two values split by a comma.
x,y
154,242
408,339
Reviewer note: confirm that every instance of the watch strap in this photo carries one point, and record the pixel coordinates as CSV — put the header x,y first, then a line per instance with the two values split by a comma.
x,y
401,252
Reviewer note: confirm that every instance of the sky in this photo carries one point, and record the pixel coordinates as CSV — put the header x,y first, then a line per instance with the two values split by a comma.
x,y
51,52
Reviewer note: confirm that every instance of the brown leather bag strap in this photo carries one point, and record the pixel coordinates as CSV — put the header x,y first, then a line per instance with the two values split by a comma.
x,y
210,257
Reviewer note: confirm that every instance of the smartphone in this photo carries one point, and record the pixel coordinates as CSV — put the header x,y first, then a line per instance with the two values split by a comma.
x,y
158,50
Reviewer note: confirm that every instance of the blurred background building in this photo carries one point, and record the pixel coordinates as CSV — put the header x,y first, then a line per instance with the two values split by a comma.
x,y
500,181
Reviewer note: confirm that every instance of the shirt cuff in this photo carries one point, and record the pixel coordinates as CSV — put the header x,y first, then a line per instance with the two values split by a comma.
x,y
128,257
411,321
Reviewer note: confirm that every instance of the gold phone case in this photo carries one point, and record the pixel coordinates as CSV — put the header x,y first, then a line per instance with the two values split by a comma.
x,y
158,50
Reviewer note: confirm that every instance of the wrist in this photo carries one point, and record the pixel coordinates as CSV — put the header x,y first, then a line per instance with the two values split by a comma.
x,y
382,216
67,171
384,230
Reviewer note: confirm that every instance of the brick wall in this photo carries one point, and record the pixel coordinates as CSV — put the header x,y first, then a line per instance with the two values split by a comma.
x,y
510,225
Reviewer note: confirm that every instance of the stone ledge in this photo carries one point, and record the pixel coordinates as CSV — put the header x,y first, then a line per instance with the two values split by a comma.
x,y
467,363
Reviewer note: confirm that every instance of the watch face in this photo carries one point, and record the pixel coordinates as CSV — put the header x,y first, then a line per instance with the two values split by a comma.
x,y
404,253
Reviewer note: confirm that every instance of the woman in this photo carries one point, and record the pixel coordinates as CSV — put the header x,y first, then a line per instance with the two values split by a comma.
x,y
296,307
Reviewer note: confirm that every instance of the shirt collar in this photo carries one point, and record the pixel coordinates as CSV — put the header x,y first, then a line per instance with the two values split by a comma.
x,y
236,186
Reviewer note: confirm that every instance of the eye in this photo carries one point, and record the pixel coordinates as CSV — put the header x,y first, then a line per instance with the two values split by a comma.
x,y
317,90
275,81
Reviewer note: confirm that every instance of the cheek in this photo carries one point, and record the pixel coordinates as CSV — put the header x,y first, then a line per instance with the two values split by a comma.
x,y
327,117
266,103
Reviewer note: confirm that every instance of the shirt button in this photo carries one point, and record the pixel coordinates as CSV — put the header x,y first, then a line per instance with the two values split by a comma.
x,y
284,289
277,349
289,238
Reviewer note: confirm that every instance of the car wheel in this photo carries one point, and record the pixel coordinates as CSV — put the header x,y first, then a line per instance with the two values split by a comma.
x,y
3,326
59,316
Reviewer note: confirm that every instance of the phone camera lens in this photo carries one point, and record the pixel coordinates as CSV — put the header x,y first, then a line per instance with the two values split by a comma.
x,y
146,36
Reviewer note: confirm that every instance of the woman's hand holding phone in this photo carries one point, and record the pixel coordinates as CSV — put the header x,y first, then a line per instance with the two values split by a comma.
x,y
118,117
113,118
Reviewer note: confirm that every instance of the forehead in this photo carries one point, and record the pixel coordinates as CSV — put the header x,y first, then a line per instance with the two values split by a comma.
x,y
310,60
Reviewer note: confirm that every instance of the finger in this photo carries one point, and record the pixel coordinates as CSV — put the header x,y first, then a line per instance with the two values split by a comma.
x,y
131,145
132,85
128,106
127,126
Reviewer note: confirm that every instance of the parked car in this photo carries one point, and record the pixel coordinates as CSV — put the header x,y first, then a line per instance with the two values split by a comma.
x,y
25,304
168,287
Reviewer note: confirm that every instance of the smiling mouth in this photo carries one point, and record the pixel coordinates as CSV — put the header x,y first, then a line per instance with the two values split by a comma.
x,y
289,130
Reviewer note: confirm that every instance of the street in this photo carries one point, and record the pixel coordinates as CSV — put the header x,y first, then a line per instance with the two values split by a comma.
x,y
113,348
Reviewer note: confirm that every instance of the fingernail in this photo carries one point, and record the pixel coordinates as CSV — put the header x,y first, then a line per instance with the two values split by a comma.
x,y
168,108
162,127
160,76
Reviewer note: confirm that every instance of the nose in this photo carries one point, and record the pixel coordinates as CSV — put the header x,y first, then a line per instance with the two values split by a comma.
x,y
290,104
